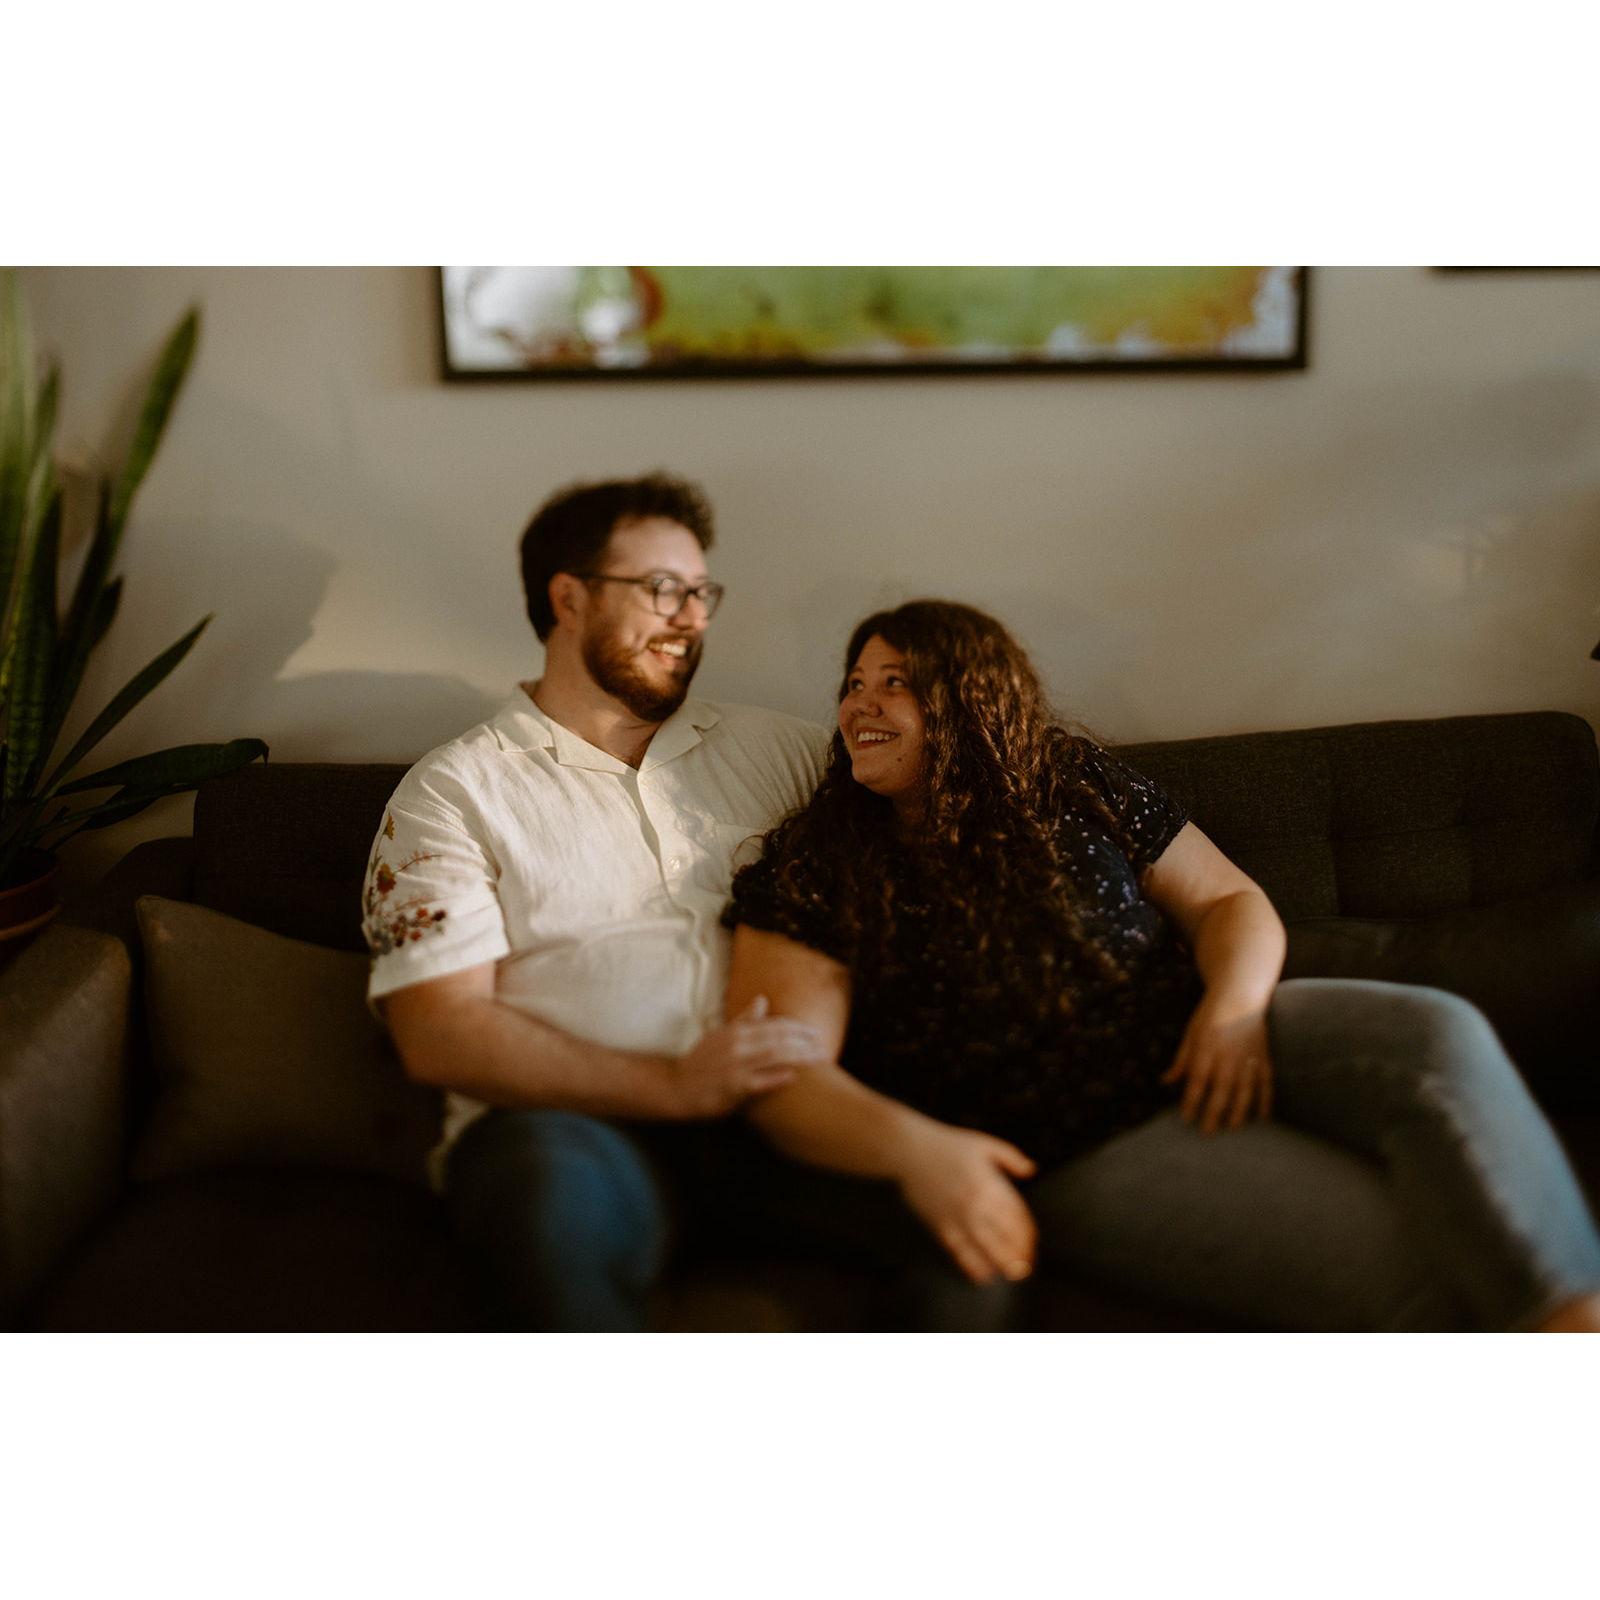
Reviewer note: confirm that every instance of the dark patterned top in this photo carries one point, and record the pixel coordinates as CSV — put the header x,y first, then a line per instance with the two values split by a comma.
x,y
919,1032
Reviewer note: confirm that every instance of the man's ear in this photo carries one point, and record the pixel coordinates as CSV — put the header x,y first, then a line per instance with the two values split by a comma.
x,y
567,597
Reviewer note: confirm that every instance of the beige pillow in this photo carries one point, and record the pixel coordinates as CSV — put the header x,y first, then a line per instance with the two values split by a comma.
x,y
266,1055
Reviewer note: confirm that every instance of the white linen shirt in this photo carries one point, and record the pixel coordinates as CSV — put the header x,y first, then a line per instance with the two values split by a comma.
x,y
595,888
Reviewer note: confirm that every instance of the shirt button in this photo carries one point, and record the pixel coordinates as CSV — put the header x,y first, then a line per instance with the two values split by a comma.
x,y
676,864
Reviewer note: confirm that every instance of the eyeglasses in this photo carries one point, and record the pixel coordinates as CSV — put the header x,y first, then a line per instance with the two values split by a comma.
x,y
668,595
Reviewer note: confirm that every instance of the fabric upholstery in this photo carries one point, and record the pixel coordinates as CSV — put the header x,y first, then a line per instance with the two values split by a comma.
x,y
285,846
1395,819
1389,819
63,1027
278,1252
1532,965
266,1056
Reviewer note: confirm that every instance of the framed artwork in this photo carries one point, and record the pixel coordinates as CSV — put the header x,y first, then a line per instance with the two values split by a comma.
x,y
676,322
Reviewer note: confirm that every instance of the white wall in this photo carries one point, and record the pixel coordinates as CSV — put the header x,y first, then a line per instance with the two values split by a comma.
x,y
1409,528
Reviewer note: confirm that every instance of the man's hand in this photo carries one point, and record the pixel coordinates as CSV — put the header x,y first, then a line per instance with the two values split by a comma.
x,y
959,1182
750,1054
1225,1067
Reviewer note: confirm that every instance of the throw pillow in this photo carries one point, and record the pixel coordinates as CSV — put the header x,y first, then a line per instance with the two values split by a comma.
x,y
266,1055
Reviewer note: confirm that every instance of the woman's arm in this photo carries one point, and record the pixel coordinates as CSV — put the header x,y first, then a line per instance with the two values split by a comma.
x,y
1238,943
959,1181
826,1116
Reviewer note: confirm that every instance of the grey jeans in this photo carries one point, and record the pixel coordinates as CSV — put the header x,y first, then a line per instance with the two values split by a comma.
x,y
1407,1180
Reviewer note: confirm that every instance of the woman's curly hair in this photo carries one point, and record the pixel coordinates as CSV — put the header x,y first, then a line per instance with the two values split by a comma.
x,y
1000,773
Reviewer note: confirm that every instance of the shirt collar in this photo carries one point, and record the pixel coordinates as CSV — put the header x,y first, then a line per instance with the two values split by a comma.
x,y
521,725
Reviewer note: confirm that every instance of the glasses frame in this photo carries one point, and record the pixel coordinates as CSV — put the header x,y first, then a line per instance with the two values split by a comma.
x,y
709,594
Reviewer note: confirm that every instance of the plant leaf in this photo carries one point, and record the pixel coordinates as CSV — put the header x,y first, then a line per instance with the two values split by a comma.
x,y
184,765
105,613
125,804
196,764
34,651
18,524
41,468
85,596
79,635
131,694
159,399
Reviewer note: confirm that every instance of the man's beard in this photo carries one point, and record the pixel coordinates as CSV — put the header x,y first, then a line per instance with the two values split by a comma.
x,y
616,670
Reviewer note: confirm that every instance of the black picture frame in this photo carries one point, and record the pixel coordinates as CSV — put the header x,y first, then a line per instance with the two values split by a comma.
x,y
1294,358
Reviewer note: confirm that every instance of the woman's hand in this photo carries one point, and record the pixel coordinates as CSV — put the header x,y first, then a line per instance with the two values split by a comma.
x,y
1224,1065
959,1182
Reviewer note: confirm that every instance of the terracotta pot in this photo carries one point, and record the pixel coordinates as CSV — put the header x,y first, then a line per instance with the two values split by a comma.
x,y
29,900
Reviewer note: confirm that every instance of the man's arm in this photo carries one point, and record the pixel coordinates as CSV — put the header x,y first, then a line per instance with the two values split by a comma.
x,y
454,1034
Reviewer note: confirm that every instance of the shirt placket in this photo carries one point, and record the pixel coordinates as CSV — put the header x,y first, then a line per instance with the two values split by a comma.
x,y
675,860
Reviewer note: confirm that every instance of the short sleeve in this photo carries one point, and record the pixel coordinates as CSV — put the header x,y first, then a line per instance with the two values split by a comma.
x,y
430,904
762,898
1147,817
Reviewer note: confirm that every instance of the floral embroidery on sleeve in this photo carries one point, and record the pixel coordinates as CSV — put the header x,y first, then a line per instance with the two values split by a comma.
x,y
388,926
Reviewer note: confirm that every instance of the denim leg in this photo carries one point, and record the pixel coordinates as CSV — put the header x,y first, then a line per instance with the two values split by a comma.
x,y
1262,1224
1417,1080
562,1216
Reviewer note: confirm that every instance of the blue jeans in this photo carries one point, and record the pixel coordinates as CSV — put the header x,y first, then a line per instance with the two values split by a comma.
x,y
564,1217
1406,1181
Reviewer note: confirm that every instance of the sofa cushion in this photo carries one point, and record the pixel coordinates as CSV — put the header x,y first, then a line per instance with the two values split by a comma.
x,y
265,1055
279,1252
1532,965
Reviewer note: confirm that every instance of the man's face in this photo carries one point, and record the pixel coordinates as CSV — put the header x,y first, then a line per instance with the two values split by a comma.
x,y
636,656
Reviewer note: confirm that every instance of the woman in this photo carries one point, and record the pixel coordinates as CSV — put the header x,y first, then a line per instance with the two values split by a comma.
x,y
1045,988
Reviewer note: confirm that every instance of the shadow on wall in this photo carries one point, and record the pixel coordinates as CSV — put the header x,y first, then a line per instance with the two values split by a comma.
x,y
234,681
263,590
356,716
266,590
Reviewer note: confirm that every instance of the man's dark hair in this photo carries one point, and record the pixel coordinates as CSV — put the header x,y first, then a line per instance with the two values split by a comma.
x,y
569,532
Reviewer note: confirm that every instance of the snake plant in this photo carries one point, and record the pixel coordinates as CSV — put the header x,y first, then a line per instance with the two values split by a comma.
x,y
43,649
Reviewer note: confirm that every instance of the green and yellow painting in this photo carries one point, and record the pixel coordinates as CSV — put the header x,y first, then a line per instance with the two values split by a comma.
x,y
564,321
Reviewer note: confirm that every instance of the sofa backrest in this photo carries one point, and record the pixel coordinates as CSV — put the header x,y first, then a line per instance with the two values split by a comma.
x,y
285,844
1386,819
1395,819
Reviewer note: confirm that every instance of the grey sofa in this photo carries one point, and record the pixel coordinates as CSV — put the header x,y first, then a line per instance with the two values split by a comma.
x,y
1460,852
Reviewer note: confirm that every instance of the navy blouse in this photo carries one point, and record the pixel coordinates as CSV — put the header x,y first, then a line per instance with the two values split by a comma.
x,y
923,1032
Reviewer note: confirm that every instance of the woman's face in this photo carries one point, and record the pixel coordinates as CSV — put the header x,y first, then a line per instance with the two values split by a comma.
x,y
881,723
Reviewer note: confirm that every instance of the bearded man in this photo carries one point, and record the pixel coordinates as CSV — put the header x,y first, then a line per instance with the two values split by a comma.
x,y
542,906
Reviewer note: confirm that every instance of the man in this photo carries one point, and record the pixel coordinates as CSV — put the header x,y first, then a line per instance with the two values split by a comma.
x,y
542,905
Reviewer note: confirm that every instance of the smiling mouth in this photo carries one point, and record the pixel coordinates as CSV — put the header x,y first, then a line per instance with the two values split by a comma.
x,y
869,736
671,649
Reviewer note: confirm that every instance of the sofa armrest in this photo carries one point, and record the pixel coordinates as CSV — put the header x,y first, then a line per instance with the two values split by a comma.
x,y
63,1041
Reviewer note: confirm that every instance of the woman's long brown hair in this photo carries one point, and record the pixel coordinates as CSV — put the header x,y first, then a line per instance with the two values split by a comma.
x,y
1000,771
